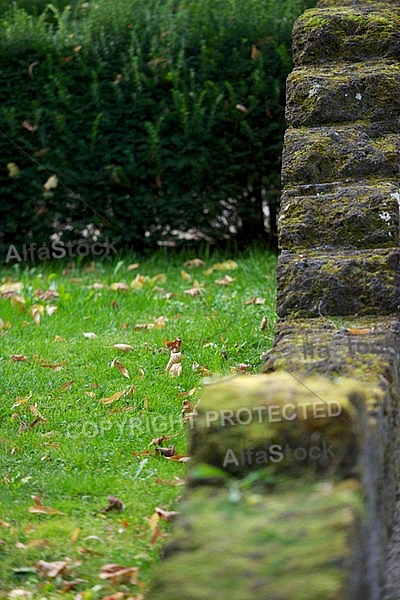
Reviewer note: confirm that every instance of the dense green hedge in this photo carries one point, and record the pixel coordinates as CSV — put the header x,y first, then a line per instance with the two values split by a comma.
x,y
155,116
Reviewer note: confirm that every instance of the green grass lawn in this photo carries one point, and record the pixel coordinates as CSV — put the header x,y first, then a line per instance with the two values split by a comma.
x,y
75,430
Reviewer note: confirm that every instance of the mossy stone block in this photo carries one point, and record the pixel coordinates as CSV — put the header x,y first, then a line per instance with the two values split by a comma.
x,y
351,34
366,348
360,282
343,93
359,215
304,541
334,154
245,423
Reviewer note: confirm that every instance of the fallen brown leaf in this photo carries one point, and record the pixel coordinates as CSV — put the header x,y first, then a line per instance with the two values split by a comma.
x,y
194,262
55,366
114,503
123,347
120,285
118,574
39,508
175,370
161,439
117,365
256,300
19,358
166,451
51,569
166,515
111,399
227,280
174,345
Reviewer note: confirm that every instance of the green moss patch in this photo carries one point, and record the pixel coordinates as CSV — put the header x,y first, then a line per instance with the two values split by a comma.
x,y
297,543
343,93
362,215
346,33
313,284
326,154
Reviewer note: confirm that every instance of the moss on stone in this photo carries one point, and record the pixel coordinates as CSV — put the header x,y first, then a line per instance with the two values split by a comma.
x,y
361,215
346,33
297,543
366,282
343,93
248,413
325,154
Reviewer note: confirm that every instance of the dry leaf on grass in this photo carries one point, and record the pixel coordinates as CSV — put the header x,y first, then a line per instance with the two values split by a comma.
x,y
123,370
39,508
256,300
133,266
118,574
227,280
195,290
114,503
138,282
120,285
51,569
112,398
12,286
228,265
19,358
175,370
194,262
241,368
181,458
161,439
264,323
185,276
166,451
51,183
90,335
166,515
55,366
19,593
174,345
49,294
123,347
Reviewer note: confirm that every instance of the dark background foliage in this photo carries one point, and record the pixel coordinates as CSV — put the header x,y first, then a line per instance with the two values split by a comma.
x,y
157,116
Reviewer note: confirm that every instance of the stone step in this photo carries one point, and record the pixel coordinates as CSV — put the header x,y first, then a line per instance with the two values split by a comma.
x,y
343,93
359,282
343,153
362,215
347,33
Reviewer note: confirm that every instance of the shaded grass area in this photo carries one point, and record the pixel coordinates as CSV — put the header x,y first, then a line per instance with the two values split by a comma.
x,y
85,450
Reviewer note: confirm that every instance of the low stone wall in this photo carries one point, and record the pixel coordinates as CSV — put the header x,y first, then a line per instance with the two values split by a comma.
x,y
314,438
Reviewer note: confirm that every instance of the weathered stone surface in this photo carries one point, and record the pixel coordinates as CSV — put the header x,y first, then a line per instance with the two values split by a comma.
x,y
343,93
376,4
366,348
313,284
243,421
326,154
362,215
346,33
302,541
